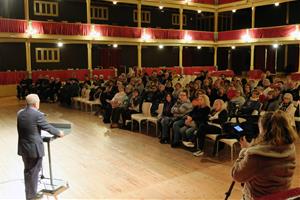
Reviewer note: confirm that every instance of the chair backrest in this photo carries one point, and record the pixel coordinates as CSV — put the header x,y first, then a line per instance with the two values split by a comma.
x,y
160,109
146,108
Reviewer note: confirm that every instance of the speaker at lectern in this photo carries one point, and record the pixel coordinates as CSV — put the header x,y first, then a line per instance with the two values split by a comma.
x,y
53,186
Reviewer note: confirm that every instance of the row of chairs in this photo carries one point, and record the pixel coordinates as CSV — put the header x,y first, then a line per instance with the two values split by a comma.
x,y
85,104
146,116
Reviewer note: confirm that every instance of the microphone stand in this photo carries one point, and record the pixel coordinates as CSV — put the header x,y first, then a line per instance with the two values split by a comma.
x,y
228,193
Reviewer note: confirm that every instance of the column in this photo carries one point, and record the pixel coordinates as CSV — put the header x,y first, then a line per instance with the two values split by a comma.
x,y
139,14
216,21
26,9
89,55
139,56
253,18
299,60
88,11
229,61
28,58
180,18
266,57
216,57
181,56
252,57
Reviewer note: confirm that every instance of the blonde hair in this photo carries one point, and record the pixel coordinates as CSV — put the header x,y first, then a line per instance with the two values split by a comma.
x,y
276,129
206,99
223,105
289,96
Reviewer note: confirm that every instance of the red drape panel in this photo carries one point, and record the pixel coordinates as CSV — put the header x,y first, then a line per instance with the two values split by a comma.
x,y
149,70
273,32
229,1
105,72
204,1
12,77
231,35
56,28
227,73
258,33
196,69
295,76
62,74
13,26
255,74
118,31
259,58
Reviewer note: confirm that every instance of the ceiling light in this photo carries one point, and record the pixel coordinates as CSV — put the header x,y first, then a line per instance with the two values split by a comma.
x,y
275,46
296,35
233,11
188,38
246,37
146,37
161,7
198,47
60,44
160,46
199,11
115,45
115,2
233,47
276,4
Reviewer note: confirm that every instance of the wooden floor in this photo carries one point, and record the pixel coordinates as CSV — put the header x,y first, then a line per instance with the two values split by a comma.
x,y
100,163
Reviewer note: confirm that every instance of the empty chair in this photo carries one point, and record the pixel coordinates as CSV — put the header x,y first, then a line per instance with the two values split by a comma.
x,y
141,116
154,120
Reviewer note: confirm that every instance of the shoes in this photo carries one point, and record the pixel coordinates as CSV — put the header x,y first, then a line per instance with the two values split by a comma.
x,y
175,145
38,196
188,144
198,153
163,141
114,125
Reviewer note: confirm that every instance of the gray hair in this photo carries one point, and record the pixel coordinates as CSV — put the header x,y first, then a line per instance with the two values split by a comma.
x,y
32,99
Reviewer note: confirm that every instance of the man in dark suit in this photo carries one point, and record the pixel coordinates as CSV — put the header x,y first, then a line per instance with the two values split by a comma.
x,y
30,122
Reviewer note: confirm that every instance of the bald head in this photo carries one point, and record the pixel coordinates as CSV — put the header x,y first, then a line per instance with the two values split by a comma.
x,y
33,100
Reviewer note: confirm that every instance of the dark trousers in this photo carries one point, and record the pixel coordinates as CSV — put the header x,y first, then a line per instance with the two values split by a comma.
x,y
116,113
126,115
206,129
32,167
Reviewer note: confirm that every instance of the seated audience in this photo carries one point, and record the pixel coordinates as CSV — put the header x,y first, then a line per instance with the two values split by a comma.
x,y
118,103
289,108
180,108
133,107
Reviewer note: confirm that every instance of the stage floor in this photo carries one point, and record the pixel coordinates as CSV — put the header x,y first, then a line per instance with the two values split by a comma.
x,y
100,163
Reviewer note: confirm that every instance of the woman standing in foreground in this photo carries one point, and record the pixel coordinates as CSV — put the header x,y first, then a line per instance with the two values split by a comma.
x,y
267,164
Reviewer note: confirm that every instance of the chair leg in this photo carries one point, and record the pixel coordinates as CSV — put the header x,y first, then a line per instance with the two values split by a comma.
x,y
147,127
132,124
140,126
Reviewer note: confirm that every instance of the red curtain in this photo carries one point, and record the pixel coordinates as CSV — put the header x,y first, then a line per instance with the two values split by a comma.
x,y
13,26
105,72
229,1
271,60
227,73
274,32
149,70
12,77
56,28
196,69
62,74
204,1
